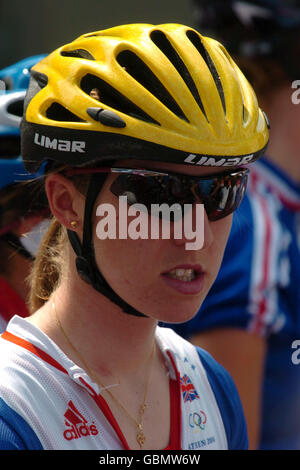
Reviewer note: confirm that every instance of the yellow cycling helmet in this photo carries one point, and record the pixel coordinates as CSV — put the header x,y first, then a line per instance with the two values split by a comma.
x,y
144,92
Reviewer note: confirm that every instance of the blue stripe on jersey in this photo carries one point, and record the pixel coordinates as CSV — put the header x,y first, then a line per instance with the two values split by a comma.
x,y
228,401
15,433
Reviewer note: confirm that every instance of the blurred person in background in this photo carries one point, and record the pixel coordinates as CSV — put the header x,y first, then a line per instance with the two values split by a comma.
x,y
251,317
22,207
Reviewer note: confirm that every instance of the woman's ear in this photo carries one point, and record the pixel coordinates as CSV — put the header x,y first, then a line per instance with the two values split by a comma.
x,y
65,201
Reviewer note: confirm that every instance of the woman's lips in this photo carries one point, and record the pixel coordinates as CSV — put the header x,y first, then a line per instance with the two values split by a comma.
x,y
187,279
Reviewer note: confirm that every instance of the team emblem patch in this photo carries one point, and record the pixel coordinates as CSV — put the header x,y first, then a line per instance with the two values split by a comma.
x,y
189,393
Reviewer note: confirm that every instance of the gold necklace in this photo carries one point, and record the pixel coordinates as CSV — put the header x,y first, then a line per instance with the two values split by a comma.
x,y
140,437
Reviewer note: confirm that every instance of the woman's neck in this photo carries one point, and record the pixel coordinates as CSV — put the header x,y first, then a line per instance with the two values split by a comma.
x,y
112,343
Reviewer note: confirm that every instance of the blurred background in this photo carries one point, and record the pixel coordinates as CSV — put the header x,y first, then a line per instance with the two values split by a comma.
x,y
35,27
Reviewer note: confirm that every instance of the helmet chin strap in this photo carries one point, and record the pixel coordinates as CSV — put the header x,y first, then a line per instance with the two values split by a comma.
x,y
85,262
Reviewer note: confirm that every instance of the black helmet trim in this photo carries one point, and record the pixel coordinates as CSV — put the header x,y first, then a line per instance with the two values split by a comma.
x,y
63,146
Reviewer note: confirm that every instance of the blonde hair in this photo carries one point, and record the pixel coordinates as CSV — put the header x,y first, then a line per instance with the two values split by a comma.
x,y
47,267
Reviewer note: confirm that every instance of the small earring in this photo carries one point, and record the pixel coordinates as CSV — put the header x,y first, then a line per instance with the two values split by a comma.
x,y
73,224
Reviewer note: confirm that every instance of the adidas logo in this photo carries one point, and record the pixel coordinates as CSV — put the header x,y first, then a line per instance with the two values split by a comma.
x,y
77,426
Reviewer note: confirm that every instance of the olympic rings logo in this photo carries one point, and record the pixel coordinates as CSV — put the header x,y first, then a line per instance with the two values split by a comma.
x,y
197,421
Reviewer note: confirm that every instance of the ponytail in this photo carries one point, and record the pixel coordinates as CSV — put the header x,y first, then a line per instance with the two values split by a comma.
x,y
47,268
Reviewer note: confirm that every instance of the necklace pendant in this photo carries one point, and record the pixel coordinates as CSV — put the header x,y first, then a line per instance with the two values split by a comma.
x,y
140,436
142,409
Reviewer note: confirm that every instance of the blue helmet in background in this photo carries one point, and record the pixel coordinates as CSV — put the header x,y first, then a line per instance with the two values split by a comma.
x,y
14,81
16,77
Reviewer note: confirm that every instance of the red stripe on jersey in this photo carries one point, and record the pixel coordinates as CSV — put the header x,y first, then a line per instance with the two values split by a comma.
x,y
175,428
33,349
175,405
111,419
266,268
257,324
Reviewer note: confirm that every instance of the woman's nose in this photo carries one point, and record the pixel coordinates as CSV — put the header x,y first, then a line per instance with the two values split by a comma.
x,y
193,229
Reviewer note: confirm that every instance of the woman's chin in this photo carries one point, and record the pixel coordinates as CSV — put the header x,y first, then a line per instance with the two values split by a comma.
x,y
178,313
165,307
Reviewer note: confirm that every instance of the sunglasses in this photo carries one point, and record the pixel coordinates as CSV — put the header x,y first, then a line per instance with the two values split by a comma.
x,y
221,193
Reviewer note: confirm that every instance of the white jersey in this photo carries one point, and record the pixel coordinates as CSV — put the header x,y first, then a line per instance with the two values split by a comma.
x,y
51,403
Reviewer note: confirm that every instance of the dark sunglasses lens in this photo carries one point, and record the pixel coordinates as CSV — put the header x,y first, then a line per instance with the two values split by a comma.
x,y
226,196
220,195
168,189
138,189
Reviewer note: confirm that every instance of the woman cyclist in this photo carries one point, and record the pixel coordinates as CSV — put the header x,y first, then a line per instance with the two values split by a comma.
x,y
160,115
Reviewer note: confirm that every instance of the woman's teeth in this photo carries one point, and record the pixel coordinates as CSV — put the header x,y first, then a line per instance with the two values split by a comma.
x,y
187,275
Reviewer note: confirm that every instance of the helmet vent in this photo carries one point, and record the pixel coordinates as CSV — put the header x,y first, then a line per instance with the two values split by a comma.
x,y
40,78
197,43
38,81
16,108
57,112
142,74
161,41
113,98
79,53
